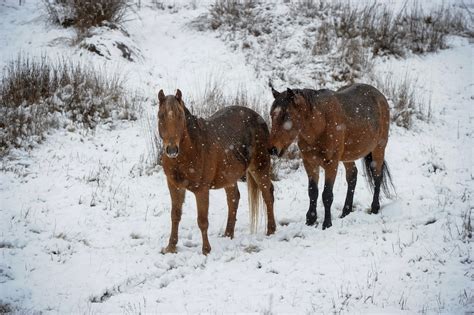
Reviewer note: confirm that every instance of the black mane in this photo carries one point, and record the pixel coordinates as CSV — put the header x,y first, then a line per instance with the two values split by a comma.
x,y
311,96
192,124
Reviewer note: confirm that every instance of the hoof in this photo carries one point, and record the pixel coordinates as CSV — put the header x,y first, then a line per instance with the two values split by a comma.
x,y
270,231
168,250
375,207
206,250
311,221
344,214
311,218
327,224
345,211
229,234
271,228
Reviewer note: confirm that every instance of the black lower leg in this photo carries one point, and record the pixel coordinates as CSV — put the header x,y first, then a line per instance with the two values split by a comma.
x,y
351,184
327,201
311,215
375,202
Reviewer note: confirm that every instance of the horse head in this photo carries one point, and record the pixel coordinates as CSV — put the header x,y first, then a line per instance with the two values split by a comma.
x,y
171,122
286,120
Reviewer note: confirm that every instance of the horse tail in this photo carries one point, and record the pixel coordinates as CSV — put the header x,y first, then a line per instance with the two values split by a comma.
x,y
387,186
255,199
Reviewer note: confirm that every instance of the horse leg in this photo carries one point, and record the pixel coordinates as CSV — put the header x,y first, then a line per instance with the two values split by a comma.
x,y
313,177
262,178
202,200
177,200
233,197
351,178
330,171
376,167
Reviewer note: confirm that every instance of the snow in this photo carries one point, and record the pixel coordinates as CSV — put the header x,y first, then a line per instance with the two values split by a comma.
x,y
82,223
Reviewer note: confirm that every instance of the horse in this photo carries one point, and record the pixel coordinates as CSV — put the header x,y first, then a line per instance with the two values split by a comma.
x,y
203,154
332,127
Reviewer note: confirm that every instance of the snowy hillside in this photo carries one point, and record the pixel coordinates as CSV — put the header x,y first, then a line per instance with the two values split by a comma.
x,y
85,214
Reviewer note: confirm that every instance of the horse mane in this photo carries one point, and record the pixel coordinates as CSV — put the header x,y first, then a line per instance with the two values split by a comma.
x,y
192,124
311,96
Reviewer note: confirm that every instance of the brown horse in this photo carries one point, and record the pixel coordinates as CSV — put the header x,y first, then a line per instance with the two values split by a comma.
x,y
211,154
330,127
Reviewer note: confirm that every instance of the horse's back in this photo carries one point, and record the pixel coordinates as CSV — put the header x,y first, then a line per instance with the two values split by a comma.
x,y
238,129
233,119
364,103
359,89
229,112
361,95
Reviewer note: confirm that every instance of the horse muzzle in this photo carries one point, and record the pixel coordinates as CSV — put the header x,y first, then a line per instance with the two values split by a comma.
x,y
172,151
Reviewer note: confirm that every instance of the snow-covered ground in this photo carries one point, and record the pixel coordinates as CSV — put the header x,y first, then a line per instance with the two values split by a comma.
x,y
82,223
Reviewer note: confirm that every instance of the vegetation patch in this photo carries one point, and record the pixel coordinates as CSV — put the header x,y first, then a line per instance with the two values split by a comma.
x,y
37,94
85,14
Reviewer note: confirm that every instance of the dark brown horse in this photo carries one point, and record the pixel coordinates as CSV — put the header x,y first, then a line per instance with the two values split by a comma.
x,y
210,154
333,127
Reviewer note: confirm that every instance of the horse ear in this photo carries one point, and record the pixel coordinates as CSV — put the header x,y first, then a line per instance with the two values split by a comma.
x,y
290,92
179,95
161,96
274,92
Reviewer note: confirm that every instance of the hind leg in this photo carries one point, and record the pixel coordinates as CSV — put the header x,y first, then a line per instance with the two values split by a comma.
x,y
376,166
262,178
233,197
330,171
351,178
312,170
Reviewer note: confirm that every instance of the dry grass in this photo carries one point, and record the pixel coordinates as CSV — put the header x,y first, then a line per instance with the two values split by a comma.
x,y
466,231
232,13
85,14
37,94
403,98
351,62
153,141
247,16
309,8
385,31
323,43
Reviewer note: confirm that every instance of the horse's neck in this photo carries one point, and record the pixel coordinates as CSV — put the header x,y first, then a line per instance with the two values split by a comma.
x,y
194,136
312,122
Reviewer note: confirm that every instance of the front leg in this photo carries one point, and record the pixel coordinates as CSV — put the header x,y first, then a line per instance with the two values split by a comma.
x,y
330,171
312,169
177,200
202,200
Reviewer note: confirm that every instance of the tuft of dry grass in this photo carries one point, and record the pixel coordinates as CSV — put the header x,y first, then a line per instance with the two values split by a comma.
x,y
153,141
233,13
352,62
385,31
402,96
37,94
466,225
85,14
323,44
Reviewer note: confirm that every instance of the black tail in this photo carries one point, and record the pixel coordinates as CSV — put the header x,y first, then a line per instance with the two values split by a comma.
x,y
386,186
